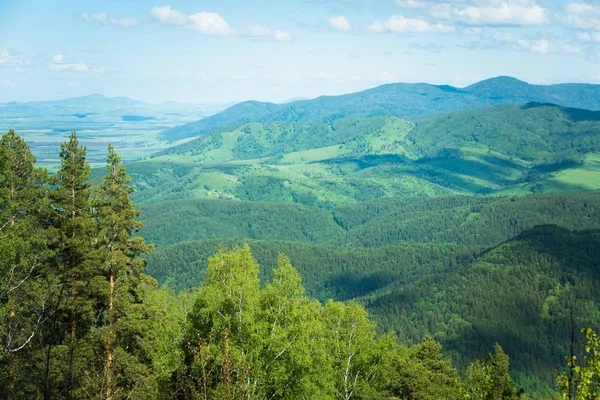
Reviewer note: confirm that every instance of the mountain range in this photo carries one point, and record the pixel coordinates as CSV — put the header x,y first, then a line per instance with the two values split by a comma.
x,y
402,100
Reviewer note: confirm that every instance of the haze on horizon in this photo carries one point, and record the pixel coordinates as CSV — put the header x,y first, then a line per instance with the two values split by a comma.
x,y
234,50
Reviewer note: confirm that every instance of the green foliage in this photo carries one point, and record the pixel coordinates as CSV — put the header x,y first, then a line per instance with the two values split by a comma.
x,y
192,219
488,378
245,342
80,318
127,361
464,220
274,342
501,149
72,292
421,372
455,293
583,381
24,257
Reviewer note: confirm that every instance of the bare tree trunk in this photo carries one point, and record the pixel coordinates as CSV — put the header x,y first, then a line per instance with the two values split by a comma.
x,y
110,337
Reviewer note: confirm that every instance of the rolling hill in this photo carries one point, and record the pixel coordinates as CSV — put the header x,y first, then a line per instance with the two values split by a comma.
x,y
536,147
402,100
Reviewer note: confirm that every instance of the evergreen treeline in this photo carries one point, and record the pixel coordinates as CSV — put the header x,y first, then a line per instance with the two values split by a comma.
x,y
465,220
192,219
80,319
520,293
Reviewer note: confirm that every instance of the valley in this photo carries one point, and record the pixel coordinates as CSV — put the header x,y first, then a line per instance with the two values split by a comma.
x,y
475,223
131,126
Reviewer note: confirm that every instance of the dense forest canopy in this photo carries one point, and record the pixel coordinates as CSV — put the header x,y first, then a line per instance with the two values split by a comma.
x,y
81,319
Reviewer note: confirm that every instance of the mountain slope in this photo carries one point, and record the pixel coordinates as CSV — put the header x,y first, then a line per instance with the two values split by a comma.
x,y
501,149
519,293
401,100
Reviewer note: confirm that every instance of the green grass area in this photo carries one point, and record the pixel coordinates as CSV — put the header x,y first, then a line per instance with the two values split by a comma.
x,y
497,150
584,177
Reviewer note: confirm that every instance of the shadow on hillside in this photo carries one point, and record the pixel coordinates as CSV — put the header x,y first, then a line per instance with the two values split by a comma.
x,y
350,285
575,114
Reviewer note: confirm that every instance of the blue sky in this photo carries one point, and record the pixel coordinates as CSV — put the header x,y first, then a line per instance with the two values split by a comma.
x,y
228,50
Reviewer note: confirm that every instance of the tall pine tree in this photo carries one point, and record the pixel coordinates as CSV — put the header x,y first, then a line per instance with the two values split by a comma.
x,y
82,279
23,260
127,368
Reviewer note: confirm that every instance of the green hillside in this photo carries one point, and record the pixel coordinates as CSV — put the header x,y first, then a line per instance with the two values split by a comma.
x,y
184,220
465,220
501,149
398,99
518,293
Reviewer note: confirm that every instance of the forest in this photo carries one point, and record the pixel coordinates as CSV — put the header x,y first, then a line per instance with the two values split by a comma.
x,y
82,317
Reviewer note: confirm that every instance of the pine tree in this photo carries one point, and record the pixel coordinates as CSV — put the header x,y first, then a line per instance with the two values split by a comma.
x,y
118,215
23,259
81,275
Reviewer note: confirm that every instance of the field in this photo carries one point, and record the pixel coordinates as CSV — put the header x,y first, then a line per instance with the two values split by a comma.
x,y
134,131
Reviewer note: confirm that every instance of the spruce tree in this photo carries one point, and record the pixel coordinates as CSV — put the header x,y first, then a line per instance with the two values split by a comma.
x,y
23,262
126,362
81,274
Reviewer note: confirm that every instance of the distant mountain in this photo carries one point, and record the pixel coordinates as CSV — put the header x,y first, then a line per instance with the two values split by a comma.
x,y
494,150
93,101
404,100
104,109
99,103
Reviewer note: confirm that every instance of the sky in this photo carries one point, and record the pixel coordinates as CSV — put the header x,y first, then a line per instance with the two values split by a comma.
x,y
276,50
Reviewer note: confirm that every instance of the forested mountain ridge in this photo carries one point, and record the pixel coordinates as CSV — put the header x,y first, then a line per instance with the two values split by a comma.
x,y
403,100
497,150
465,220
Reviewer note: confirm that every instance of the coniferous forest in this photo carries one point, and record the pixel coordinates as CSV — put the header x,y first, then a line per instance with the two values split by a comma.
x,y
471,315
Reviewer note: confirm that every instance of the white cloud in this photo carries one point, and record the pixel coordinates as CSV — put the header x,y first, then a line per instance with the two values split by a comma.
x,y
399,24
210,23
6,82
59,58
340,23
582,16
584,36
541,46
589,37
571,49
494,12
264,32
125,22
166,15
538,46
61,62
582,22
582,9
281,36
414,4
7,59
103,19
